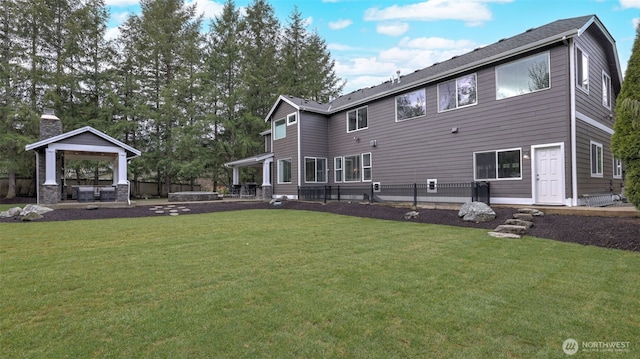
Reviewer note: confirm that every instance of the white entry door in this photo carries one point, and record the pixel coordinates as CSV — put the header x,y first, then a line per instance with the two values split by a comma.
x,y
549,175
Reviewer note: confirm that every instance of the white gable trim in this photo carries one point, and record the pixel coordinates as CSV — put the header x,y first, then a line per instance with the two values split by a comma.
x,y
51,140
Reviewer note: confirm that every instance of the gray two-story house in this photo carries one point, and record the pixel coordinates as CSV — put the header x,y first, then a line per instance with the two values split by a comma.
x,y
531,114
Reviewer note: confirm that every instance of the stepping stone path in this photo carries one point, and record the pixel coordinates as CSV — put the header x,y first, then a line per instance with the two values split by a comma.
x,y
170,209
517,226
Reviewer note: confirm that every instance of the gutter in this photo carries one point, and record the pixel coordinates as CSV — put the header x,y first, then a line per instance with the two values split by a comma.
x,y
572,113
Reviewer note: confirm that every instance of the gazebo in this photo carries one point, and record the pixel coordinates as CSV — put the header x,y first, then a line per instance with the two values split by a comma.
x,y
83,143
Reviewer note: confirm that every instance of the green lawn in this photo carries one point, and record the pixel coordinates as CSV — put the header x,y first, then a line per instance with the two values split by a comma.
x,y
294,284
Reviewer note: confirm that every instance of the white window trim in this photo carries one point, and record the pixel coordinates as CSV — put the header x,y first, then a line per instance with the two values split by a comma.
x,y
424,90
456,82
370,167
295,116
316,171
344,177
579,58
497,179
598,145
608,87
278,173
336,169
275,138
356,111
617,165
495,71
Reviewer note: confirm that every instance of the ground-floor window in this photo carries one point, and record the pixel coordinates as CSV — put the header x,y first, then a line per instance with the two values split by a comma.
x,y
500,164
284,170
617,168
354,168
315,169
596,159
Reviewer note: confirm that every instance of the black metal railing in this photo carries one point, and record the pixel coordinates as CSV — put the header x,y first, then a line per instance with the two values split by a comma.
x,y
413,192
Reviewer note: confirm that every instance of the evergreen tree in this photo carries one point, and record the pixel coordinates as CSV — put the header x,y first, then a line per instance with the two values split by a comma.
x,y
292,76
322,84
224,60
18,125
625,142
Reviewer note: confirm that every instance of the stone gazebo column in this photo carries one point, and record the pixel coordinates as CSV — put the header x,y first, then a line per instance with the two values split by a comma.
x,y
48,168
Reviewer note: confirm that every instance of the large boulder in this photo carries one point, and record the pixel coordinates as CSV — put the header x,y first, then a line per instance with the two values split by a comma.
x,y
476,212
31,216
35,208
11,212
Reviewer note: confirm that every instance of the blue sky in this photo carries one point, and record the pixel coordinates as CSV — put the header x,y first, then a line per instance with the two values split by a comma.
x,y
371,39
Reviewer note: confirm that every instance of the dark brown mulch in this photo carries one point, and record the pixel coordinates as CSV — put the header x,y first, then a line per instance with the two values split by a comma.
x,y
610,232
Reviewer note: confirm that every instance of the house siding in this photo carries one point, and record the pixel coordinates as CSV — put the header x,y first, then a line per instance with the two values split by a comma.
x,y
313,132
590,105
425,148
284,148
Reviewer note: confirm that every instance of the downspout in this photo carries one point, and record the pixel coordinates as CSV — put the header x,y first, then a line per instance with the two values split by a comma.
x,y
300,160
37,177
572,101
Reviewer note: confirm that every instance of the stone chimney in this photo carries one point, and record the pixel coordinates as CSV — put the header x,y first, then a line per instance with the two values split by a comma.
x,y
50,125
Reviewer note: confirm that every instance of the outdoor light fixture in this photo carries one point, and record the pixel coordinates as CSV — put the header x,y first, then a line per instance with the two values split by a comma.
x,y
454,130
373,143
526,154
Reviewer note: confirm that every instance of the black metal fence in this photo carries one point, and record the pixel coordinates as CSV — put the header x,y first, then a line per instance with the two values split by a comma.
x,y
414,192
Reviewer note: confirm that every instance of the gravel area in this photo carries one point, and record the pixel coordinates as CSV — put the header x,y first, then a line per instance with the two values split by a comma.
x,y
610,232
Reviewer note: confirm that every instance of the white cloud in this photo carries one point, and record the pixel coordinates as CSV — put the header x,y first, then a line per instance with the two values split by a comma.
x,y
339,47
636,22
472,12
120,17
209,9
308,21
392,29
340,24
628,4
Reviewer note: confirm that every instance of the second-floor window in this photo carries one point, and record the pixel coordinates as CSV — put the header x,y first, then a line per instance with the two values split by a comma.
x,y
280,129
523,76
411,105
457,93
582,70
357,119
606,90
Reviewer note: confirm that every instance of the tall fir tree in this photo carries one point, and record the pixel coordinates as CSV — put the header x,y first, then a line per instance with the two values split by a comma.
x,y
292,76
225,63
625,142
321,83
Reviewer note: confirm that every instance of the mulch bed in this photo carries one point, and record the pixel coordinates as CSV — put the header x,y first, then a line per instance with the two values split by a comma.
x,y
610,232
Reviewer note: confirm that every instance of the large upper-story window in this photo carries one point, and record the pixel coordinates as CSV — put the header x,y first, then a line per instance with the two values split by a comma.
x,y
280,129
523,76
411,105
357,119
582,70
501,164
457,93
606,90
315,169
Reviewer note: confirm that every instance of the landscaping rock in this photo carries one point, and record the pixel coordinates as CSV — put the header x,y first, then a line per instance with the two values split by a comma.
x,y
507,228
91,207
11,212
31,216
476,212
411,214
518,222
35,208
523,216
504,235
532,211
